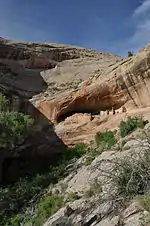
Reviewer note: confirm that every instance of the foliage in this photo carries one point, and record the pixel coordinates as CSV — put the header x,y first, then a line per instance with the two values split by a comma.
x,y
3,103
145,220
89,193
130,53
132,123
132,177
14,127
72,196
123,142
106,139
145,201
47,207
89,159
75,152
15,199
91,154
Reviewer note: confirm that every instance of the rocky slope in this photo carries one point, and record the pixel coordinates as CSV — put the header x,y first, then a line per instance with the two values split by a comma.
x,y
93,186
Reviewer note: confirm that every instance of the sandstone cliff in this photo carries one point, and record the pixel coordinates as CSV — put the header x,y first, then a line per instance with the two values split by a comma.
x,y
35,67
124,84
38,71
60,81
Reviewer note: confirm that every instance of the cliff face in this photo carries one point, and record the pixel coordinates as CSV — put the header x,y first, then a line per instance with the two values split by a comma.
x,y
48,70
33,68
60,81
39,71
125,83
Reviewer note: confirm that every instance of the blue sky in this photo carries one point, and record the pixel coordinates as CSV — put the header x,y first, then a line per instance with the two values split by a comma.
x,y
105,25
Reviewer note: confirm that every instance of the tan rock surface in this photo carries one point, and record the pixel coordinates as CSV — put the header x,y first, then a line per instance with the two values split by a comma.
x,y
66,84
125,83
54,67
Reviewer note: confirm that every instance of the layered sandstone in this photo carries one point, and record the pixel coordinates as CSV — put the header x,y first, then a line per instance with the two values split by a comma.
x,y
36,67
60,81
126,83
39,71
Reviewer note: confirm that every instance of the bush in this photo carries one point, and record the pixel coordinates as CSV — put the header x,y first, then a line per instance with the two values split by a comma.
x,y
14,128
3,103
89,159
47,207
130,53
132,123
72,196
76,152
92,153
145,201
144,221
132,178
106,139
15,199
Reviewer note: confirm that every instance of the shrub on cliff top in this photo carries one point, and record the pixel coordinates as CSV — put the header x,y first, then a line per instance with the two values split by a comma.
x,y
130,53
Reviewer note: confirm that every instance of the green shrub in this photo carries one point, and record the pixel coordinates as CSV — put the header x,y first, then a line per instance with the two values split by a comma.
x,y
106,139
132,123
89,193
123,142
145,201
145,220
130,53
92,153
77,151
72,196
89,159
14,128
131,178
14,221
15,198
3,103
47,207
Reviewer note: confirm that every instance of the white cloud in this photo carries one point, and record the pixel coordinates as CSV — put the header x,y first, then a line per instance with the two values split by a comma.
x,y
141,17
140,21
142,9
